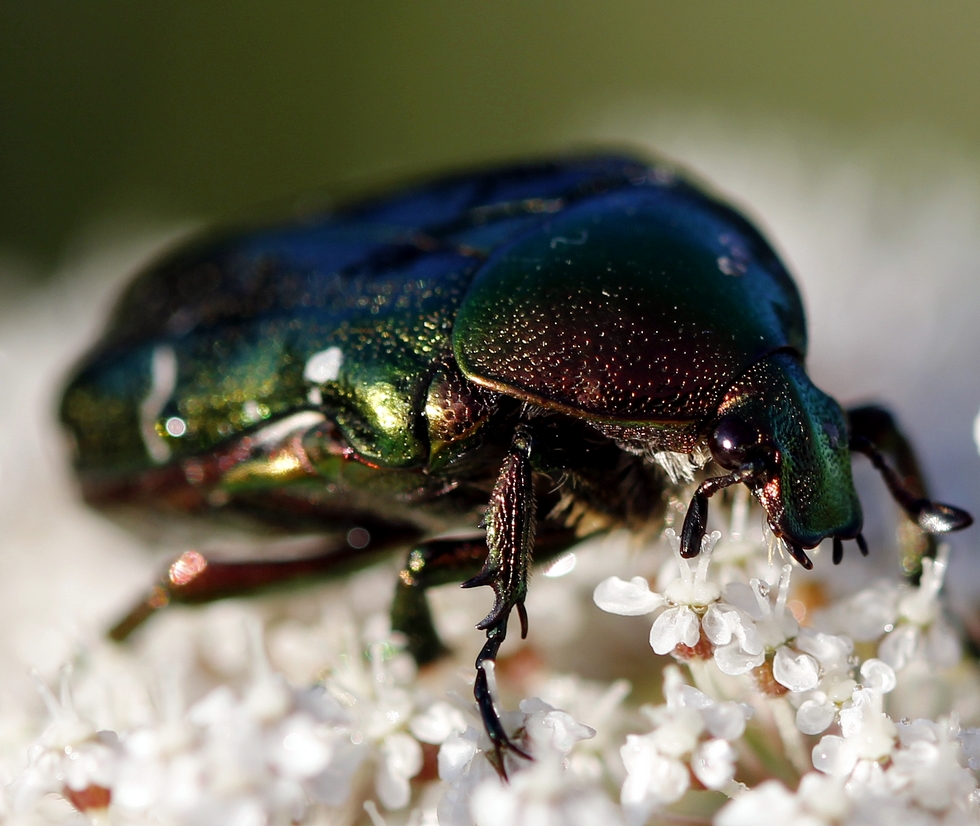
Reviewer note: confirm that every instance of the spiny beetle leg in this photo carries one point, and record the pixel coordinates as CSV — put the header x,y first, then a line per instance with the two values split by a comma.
x,y
510,523
436,562
195,578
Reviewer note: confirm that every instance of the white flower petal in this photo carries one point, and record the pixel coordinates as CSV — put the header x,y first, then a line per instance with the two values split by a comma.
x,y
832,651
900,646
796,671
456,754
713,763
727,719
813,717
437,722
678,625
732,660
833,755
878,675
628,599
719,624
554,728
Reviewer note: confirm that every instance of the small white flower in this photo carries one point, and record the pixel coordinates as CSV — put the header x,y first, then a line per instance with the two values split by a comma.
x,y
738,645
684,600
713,763
769,802
795,670
921,632
817,708
400,759
927,768
678,625
658,764
867,733
653,780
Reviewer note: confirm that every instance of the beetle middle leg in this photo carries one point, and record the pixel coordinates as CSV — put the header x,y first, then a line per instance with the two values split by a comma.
x,y
696,519
432,563
510,524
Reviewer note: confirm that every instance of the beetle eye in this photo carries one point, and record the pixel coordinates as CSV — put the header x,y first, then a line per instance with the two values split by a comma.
x,y
733,442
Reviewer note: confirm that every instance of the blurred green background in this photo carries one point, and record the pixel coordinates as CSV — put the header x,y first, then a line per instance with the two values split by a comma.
x,y
207,110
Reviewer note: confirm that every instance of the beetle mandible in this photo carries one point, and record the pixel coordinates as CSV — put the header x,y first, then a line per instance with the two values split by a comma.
x,y
541,350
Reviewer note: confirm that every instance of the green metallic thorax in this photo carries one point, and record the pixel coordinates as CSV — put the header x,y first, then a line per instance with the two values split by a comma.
x,y
813,494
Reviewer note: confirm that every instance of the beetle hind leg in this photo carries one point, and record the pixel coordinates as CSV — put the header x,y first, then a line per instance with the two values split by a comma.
x,y
195,578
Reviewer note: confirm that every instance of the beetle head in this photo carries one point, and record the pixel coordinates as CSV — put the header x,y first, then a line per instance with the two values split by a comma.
x,y
791,440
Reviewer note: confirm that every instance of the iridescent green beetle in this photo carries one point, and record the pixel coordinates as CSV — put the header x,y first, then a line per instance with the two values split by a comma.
x,y
543,350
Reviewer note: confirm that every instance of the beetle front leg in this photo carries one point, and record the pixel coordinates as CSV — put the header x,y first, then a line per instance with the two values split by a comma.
x,y
875,433
696,519
510,524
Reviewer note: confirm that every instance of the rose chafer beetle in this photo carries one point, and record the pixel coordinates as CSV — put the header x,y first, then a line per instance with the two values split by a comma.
x,y
543,351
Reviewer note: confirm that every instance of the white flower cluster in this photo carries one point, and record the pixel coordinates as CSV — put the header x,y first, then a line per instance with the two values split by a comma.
x,y
740,641
762,700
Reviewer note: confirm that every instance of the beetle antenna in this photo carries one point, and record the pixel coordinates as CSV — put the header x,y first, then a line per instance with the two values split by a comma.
x,y
932,517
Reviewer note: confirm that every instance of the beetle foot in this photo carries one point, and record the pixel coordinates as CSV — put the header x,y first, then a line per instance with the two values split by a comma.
x,y
935,517
484,694
695,523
